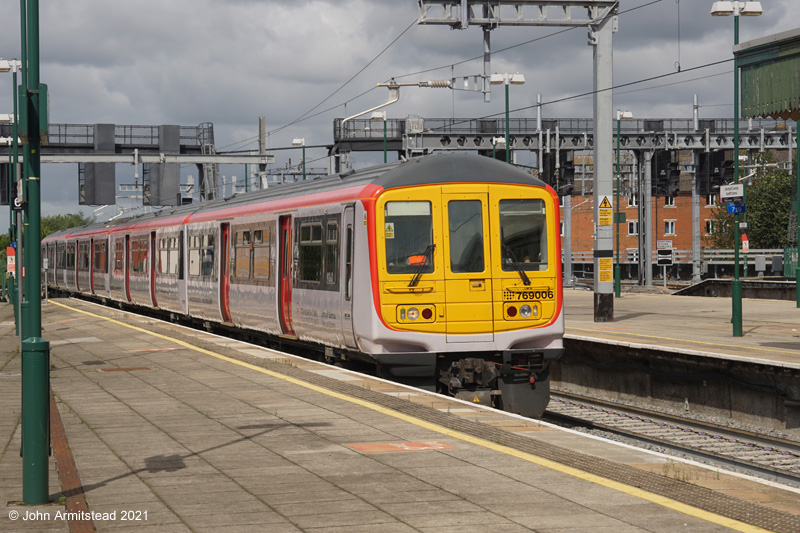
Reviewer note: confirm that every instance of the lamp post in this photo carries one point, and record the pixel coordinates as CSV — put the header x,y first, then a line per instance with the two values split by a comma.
x,y
381,115
621,115
301,142
724,9
507,79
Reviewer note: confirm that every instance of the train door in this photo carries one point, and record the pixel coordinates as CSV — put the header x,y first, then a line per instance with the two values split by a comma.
x,y
153,255
285,275
92,264
182,290
347,278
468,279
225,273
77,265
128,260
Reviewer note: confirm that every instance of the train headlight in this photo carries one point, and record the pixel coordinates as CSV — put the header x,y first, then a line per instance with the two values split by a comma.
x,y
525,311
413,314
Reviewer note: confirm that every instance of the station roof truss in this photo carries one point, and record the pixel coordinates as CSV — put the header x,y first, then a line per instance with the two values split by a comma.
x,y
770,74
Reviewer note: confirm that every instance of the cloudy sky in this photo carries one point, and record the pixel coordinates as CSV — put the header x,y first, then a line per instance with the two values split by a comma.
x,y
229,61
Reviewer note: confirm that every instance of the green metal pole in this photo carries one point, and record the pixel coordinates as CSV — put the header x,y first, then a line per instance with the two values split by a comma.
x,y
35,350
508,147
384,139
617,287
736,318
304,161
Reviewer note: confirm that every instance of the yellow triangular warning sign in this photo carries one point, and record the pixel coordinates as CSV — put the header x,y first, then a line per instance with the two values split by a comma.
x,y
606,203
476,400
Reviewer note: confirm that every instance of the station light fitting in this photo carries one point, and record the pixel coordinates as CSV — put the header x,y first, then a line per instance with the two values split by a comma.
x,y
378,115
10,66
301,141
726,8
501,79
624,115
6,118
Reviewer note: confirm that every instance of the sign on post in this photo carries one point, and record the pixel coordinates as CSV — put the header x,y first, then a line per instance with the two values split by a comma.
x,y
664,257
731,192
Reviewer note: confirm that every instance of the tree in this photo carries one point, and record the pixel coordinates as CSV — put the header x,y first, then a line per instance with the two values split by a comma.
x,y
54,223
768,206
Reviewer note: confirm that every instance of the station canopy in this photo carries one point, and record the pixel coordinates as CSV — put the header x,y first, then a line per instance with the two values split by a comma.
x,y
770,76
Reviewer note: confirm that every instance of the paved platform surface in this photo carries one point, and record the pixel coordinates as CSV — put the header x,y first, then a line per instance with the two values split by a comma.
x,y
180,430
771,328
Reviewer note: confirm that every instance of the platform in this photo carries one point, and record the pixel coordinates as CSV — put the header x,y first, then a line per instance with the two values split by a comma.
x,y
181,430
692,324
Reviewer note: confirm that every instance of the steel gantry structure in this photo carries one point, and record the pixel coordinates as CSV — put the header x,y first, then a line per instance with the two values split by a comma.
x,y
556,141
600,17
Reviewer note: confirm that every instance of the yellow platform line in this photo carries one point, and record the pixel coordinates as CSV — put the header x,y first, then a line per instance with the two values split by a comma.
x,y
546,463
794,352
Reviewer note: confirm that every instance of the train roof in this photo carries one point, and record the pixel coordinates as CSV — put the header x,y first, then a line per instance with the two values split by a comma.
x,y
431,169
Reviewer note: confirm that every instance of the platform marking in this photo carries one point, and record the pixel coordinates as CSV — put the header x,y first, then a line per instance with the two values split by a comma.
x,y
794,352
540,461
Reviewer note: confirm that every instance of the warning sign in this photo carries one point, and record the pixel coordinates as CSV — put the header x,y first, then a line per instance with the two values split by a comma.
x,y
606,269
389,230
605,212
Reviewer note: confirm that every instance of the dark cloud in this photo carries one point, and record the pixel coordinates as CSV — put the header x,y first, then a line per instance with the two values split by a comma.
x,y
229,61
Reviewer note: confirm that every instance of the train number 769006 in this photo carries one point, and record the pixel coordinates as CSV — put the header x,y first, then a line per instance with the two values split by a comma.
x,y
544,294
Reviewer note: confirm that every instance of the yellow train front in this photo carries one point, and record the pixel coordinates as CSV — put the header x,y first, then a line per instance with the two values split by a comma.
x,y
466,289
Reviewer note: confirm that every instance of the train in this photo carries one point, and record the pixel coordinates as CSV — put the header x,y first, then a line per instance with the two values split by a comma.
x,y
441,271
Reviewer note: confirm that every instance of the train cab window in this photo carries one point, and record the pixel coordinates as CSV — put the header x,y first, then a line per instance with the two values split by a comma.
x,y
466,236
408,233
523,232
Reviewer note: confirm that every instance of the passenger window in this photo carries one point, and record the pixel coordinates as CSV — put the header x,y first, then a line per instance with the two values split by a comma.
x,y
310,263
331,253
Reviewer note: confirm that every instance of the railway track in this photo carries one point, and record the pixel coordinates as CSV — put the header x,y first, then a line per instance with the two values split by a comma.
x,y
766,457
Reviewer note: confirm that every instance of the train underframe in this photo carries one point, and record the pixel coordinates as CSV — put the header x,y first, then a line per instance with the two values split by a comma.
x,y
517,381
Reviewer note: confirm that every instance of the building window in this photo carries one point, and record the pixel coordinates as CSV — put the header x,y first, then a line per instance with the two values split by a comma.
x,y
709,227
633,200
633,227
562,229
669,227
711,200
669,201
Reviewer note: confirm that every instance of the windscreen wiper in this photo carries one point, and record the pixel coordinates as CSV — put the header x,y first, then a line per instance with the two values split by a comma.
x,y
418,272
522,274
